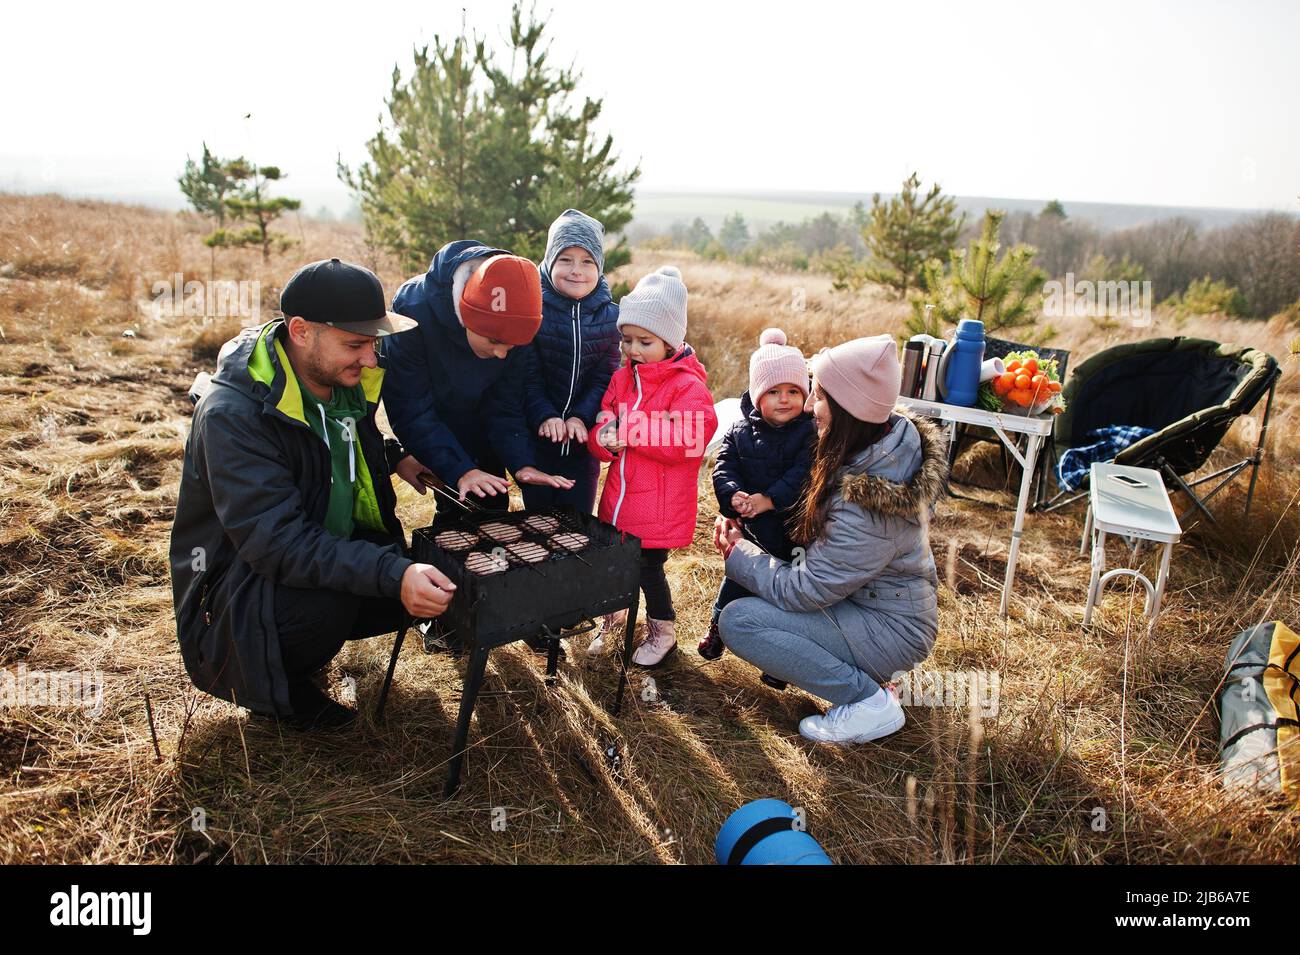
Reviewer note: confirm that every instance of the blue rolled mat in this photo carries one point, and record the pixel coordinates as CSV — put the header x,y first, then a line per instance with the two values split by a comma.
x,y
763,832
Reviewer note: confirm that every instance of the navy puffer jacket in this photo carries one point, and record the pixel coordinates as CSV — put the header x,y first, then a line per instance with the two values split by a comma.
x,y
758,458
451,409
558,384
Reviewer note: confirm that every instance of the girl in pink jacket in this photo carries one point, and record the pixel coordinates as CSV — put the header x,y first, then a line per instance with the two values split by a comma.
x,y
656,419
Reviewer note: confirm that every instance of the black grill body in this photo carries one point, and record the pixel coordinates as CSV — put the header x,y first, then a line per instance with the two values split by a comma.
x,y
525,600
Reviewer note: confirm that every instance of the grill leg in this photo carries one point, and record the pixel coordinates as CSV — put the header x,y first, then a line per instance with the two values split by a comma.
x,y
473,680
627,657
552,658
392,668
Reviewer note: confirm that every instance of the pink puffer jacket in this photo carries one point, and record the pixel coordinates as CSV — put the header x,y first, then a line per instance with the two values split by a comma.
x,y
664,413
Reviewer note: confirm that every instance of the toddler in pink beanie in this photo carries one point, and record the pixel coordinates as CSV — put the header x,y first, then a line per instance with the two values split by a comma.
x,y
764,460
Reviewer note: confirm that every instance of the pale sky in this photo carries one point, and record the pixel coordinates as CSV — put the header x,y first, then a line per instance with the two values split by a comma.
x,y
1190,104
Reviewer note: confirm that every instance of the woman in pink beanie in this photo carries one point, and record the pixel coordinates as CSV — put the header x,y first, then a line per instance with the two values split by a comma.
x,y
857,603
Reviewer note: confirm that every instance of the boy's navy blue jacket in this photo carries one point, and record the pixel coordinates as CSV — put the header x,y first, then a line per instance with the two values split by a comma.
x,y
573,356
758,458
451,409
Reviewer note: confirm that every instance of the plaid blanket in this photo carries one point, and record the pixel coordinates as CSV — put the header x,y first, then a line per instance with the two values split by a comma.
x,y
1072,470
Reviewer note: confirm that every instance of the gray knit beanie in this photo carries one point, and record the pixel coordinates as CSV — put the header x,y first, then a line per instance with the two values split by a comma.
x,y
575,228
657,304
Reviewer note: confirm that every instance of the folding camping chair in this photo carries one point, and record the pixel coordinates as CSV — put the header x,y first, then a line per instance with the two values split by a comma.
x,y
1189,391
968,434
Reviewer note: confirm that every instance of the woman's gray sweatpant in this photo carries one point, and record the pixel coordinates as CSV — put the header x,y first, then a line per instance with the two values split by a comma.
x,y
825,652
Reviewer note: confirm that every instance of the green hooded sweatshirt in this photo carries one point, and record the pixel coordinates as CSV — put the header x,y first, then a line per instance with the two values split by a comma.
x,y
335,423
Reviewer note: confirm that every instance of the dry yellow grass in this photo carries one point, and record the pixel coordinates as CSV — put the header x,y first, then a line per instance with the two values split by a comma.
x,y
91,433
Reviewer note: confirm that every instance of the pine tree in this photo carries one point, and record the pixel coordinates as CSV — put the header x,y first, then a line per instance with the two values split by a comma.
x,y
424,181
858,217
846,271
583,176
471,149
1004,293
1053,210
734,234
699,236
206,184
254,205
905,232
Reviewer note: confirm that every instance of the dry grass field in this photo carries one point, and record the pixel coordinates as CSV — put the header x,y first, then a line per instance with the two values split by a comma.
x,y
93,419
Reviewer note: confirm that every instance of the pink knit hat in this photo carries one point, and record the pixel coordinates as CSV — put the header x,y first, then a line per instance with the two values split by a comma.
x,y
863,375
775,363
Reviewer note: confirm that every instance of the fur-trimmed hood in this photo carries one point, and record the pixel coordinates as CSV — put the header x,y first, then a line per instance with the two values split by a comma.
x,y
904,473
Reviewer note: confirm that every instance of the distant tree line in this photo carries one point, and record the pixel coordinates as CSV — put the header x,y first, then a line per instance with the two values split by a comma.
x,y
1258,257
783,246
1250,268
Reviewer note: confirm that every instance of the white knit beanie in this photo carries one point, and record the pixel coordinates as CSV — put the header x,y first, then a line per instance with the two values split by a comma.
x,y
657,304
775,363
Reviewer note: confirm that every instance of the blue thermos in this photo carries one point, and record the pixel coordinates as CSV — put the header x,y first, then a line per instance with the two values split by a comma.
x,y
962,363
767,832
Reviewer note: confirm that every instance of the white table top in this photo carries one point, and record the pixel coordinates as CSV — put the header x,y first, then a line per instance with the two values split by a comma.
x,y
1038,424
1144,512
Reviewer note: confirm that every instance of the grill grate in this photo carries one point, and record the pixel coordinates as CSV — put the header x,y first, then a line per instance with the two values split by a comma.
x,y
489,543
502,596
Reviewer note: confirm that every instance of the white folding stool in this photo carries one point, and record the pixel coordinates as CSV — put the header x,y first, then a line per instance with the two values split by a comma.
x,y
1132,502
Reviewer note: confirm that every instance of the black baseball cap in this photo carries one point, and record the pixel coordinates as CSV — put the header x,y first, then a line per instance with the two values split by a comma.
x,y
342,295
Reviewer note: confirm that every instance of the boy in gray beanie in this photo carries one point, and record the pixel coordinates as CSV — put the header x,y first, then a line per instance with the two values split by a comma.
x,y
574,229
570,360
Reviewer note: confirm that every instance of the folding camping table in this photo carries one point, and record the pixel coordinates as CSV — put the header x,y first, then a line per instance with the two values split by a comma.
x,y
1035,428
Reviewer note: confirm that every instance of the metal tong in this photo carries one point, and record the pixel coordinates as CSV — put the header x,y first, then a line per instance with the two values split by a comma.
x,y
431,481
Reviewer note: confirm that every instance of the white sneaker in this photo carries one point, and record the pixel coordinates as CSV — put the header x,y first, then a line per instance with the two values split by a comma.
x,y
610,624
659,643
877,716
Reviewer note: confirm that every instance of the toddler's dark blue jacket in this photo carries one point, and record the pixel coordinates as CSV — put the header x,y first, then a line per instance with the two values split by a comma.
x,y
758,458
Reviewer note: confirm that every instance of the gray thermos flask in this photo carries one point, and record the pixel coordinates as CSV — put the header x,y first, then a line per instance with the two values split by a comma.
x,y
913,361
930,390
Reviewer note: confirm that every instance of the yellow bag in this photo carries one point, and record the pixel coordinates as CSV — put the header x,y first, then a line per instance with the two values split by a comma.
x,y
1259,708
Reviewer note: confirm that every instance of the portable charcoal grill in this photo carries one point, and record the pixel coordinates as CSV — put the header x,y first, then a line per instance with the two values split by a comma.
x,y
501,597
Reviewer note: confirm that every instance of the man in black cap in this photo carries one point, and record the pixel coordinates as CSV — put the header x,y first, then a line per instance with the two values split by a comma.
x,y
286,542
